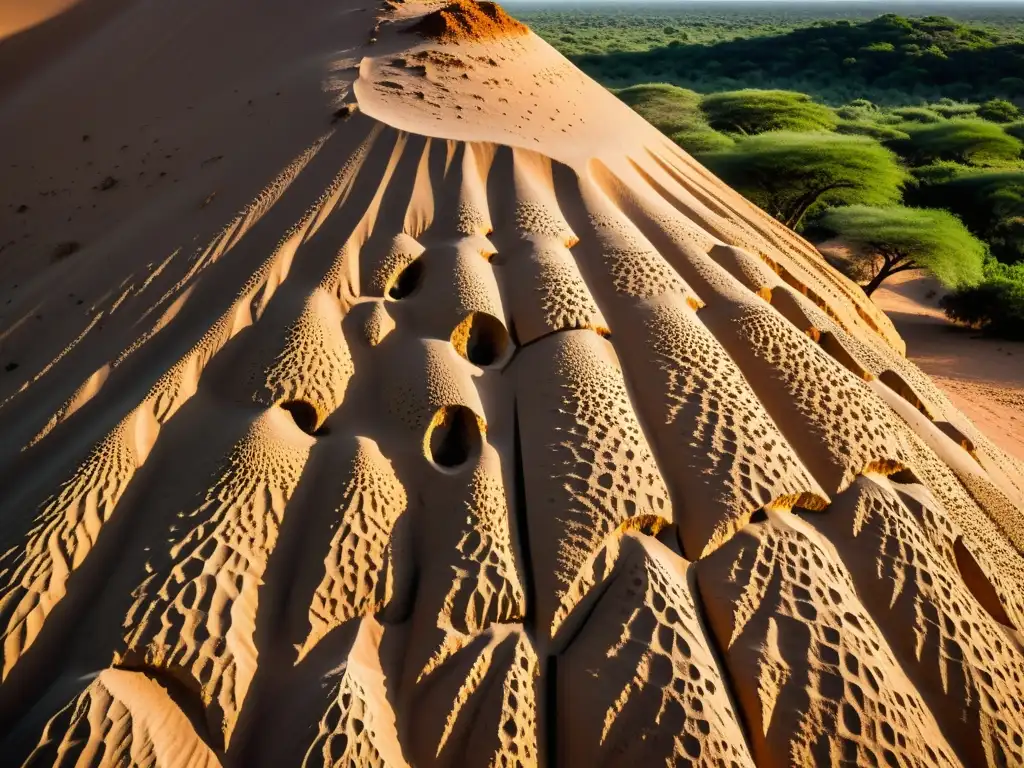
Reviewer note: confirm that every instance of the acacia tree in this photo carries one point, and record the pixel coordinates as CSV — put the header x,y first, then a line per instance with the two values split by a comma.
x,y
790,174
753,111
963,141
909,238
999,111
990,204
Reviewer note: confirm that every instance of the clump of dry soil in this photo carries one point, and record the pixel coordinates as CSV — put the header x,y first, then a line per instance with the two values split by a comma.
x,y
464,20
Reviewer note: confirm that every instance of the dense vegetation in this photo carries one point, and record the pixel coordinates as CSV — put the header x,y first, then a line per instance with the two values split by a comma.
x,y
904,138
835,52
990,203
601,27
976,142
755,111
889,59
996,304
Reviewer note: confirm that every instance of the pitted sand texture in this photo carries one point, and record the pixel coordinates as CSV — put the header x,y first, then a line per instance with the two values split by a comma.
x,y
373,395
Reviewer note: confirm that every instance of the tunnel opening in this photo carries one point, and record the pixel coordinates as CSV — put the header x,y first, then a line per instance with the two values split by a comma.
x,y
407,282
454,437
305,416
483,340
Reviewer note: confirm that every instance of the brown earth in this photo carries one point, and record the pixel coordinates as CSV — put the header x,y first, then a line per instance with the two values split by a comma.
x,y
984,378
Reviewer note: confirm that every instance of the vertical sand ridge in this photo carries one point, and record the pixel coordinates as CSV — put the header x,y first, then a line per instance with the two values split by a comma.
x,y
494,445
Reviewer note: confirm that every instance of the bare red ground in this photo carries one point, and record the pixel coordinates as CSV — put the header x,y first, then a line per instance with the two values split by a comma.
x,y
463,20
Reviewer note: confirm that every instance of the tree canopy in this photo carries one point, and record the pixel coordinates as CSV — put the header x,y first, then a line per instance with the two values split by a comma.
x,y
999,111
889,59
702,139
875,130
964,141
990,203
792,174
918,115
909,238
751,111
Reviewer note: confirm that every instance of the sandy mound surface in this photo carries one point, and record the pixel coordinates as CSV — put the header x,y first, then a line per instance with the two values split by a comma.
x,y
18,15
468,20
415,403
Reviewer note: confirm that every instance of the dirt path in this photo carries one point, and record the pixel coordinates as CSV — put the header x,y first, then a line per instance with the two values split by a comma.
x,y
983,377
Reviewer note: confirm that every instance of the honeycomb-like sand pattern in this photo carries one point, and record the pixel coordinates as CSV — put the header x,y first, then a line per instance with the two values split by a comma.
x,y
956,650
176,624
121,719
356,579
829,687
354,730
643,662
491,452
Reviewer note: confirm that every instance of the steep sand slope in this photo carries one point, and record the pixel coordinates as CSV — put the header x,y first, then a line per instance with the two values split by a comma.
x,y
19,15
378,390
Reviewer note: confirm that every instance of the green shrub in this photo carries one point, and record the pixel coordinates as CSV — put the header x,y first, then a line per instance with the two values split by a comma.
x,y
874,130
990,203
996,305
918,115
863,104
850,112
999,111
754,111
888,118
668,108
949,108
676,113
862,110
702,139
976,142
939,172
909,238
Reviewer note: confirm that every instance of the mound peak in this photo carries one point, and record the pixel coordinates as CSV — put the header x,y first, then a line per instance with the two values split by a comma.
x,y
469,20
415,403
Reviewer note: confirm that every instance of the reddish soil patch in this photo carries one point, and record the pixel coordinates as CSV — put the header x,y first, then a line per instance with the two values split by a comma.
x,y
464,20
